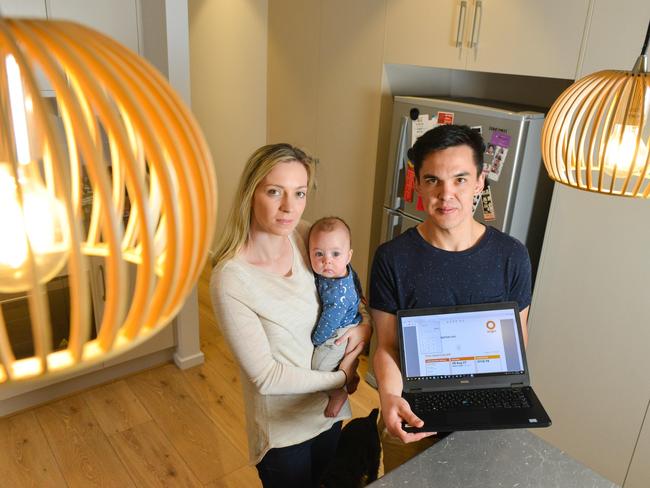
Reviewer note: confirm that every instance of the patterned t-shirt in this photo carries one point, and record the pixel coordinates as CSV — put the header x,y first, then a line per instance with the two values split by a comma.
x,y
340,299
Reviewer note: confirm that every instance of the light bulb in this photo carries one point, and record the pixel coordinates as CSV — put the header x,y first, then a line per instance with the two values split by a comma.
x,y
40,223
620,151
31,216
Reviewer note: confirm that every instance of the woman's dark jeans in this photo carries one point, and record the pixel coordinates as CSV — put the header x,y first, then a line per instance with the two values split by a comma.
x,y
301,465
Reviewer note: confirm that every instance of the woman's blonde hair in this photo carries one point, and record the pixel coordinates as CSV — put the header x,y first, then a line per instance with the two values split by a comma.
x,y
259,165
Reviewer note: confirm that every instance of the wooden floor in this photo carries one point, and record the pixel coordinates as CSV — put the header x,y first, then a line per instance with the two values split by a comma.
x,y
161,427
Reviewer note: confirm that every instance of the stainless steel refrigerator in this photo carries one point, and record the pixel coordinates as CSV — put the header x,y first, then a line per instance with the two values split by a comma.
x,y
518,193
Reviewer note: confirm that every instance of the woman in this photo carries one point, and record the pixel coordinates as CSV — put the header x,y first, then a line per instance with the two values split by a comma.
x,y
265,299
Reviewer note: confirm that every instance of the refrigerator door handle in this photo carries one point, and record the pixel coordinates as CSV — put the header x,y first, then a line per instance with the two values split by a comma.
x,y
399,164
393,224
476,32
460,29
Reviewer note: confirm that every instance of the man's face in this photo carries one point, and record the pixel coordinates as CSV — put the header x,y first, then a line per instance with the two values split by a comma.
x,y
447,182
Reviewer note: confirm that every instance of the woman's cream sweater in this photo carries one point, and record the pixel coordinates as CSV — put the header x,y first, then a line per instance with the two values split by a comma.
x,y
267,321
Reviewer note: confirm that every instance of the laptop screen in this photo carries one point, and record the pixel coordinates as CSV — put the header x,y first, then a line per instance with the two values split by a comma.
x,y
461,344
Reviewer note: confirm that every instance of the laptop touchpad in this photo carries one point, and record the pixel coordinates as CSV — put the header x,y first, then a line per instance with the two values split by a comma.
x,y
472,417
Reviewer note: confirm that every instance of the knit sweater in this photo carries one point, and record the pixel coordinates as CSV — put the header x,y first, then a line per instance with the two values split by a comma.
x,y
267,320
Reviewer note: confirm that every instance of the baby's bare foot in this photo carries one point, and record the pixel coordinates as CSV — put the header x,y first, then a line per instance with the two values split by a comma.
x,y
337,400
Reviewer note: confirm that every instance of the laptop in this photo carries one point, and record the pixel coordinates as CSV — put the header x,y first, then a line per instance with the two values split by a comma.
x,y
464,368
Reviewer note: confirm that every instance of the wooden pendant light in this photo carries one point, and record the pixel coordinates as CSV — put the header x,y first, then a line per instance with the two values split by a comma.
x,y
124,177
596,135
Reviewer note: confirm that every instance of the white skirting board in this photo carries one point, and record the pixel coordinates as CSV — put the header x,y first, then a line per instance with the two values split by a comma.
x,y
93,378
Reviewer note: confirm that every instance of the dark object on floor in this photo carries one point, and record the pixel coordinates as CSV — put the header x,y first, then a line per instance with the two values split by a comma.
x,y
357,456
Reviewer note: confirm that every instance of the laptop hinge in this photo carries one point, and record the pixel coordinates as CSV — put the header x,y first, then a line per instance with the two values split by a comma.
x,y
516,385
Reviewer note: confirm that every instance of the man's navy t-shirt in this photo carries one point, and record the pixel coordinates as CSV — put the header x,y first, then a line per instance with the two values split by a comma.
x,y
408,272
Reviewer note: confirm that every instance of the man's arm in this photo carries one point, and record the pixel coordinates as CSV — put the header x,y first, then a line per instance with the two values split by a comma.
x,y
523,317
394,408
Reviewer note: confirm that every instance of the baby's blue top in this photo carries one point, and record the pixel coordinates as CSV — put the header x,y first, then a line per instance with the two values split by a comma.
x,y
340,299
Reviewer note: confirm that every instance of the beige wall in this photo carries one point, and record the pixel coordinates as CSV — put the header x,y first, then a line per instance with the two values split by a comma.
x,y
228,63
325,62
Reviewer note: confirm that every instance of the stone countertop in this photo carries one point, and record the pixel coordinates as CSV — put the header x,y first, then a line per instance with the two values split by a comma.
x,y
493,458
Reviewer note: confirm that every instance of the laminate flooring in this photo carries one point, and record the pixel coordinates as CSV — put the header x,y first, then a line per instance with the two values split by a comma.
x,y
159,427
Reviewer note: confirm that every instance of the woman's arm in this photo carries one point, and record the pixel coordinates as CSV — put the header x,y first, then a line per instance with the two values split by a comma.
x,y
250,346
360,334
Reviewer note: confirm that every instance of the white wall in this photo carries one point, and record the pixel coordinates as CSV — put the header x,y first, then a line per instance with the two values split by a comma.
x,y
228,63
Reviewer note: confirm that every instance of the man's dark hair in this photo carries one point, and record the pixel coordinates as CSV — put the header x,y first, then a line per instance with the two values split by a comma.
x,y
445,136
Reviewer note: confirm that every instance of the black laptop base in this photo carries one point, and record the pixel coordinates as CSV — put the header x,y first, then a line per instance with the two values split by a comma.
x,y
529,414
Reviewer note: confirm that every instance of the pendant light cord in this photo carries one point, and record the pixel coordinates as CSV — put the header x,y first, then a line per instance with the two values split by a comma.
x,y
644,49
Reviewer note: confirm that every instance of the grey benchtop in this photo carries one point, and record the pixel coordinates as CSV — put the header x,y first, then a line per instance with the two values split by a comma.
x,y
493,458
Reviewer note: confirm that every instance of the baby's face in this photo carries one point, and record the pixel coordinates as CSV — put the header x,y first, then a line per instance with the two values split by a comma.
x,y
330,253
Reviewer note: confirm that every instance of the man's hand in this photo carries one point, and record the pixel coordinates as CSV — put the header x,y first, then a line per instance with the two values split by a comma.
x,y
396,410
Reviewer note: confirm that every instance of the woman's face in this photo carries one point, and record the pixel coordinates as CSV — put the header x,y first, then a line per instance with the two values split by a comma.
x,y
279,200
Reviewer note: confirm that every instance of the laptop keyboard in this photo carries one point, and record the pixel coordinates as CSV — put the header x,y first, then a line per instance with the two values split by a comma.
x,y
474,399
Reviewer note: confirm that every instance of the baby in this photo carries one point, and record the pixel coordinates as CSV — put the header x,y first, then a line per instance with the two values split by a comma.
x,y
340,293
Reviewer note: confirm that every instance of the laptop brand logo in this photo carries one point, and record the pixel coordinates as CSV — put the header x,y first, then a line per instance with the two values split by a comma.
x,y
463,382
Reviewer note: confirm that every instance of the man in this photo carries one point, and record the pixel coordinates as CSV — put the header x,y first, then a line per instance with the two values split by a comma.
x,y
449,259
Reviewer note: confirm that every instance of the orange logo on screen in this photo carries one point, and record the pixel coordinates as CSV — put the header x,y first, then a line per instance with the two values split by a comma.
x,y
490,325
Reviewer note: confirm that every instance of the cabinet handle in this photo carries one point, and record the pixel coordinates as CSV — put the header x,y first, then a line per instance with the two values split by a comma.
x,y
101,271
461,23
477,8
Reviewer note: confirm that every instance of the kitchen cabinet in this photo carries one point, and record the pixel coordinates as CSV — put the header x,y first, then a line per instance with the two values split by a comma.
x,y
524,37
614,35
23,8
118,19
588,335
638,476
115,18
425,33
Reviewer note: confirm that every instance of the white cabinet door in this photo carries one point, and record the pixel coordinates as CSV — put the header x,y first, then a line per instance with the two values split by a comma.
x,y
638,476
425,33
22,8
115,18
527,37
615,35
588,331
524,37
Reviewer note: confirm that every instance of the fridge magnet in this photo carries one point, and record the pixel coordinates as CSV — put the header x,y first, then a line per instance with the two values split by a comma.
x,y
498,161
409,182
419,206
445,118
495,154
488,205
500,139
477,128
421,125
475,202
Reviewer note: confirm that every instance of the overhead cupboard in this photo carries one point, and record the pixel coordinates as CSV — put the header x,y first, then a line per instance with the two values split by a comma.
x,y
523,37
116,18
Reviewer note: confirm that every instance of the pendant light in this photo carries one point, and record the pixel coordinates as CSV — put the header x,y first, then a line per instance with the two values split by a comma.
x,y
112,172
596,135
